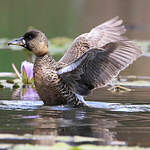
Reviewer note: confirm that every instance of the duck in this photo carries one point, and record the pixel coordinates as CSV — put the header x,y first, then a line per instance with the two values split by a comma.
x,y
92,61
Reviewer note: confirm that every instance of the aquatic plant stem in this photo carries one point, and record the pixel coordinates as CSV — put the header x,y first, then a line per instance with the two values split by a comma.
x,y
17,72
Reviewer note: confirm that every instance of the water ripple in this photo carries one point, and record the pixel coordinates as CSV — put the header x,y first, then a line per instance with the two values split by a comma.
x,y
31,105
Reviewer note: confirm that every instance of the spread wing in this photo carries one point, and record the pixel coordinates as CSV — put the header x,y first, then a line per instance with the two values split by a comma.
x,y
97,67
110,31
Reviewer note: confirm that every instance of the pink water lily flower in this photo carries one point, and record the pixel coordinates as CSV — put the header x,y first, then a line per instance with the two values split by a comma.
x,y
26,74
27,67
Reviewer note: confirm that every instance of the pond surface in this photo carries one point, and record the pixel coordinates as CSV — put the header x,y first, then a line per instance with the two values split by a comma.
x,y
114,118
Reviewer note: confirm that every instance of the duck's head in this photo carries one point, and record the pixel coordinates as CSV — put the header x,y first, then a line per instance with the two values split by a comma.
x,y
33,40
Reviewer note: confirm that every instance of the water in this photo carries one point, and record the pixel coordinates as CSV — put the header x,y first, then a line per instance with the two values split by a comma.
x,y
114,119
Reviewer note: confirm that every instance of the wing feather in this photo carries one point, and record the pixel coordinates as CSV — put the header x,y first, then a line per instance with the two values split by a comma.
x,y
96,67
109,31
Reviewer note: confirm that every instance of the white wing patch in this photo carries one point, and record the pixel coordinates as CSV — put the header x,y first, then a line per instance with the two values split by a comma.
x,y
66,69
71,67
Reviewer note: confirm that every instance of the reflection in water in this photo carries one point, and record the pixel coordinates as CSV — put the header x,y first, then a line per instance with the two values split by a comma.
x,y
79,122
27,93
109,125
134,129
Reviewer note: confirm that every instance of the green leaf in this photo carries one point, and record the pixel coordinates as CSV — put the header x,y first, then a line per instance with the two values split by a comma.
x,y
30,81
24,76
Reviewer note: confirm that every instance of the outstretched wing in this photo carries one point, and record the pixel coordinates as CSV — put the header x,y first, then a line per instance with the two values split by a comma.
x,y
110,31
97,67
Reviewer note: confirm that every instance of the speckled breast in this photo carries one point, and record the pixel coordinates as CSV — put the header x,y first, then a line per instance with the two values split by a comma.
x,y
46,83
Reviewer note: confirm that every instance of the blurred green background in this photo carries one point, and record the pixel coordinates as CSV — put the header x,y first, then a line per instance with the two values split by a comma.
x,y
71,17
67,18
54,17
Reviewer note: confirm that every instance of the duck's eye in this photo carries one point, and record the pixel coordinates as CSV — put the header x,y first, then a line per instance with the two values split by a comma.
x,y
29,37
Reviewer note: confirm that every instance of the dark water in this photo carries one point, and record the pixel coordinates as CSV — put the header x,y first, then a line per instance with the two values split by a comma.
x,y
115,119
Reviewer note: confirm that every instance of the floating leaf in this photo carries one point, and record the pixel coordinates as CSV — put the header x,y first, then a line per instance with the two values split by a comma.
x,y
10,81
118,88
64,146
15,86
1,86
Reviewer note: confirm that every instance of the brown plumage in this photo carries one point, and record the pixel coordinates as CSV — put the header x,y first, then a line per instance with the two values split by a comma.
x,y
109,31
91,62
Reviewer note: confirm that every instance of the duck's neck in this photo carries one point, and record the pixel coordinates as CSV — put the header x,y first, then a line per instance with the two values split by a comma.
x,y
45,60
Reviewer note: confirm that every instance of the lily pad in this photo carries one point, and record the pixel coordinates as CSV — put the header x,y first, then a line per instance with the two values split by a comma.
x,y
31,147
133,83
145,46
13,84
118,88
64,146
